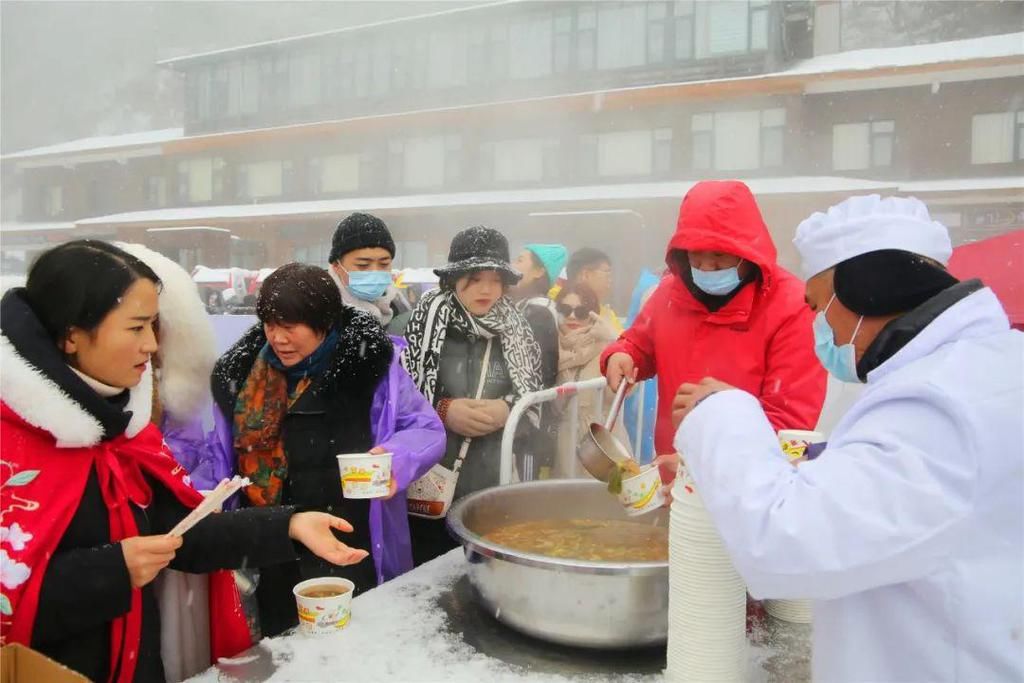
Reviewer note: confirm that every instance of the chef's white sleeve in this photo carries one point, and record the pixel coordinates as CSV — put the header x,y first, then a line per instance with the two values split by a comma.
x,y
879,506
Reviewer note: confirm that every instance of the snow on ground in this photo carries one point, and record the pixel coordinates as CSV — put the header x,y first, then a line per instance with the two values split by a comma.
x,y
398,633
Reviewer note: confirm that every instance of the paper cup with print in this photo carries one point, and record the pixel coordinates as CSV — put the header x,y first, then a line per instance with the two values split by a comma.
x,y
794,443
641,493
365,475
325,605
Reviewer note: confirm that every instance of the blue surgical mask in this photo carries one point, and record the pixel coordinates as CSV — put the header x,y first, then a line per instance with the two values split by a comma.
x,y
716,282
840,361
368,285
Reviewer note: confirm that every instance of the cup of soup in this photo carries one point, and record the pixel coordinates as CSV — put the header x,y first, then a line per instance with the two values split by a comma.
x,y
325,605
641,493
365,475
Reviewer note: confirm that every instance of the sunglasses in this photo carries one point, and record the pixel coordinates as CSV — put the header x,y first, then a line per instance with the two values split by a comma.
x,y
578,312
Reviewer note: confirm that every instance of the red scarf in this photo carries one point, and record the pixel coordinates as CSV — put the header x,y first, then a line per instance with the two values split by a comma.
x,y
41,486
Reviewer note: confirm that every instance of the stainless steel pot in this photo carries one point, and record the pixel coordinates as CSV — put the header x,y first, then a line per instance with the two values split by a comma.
x,y
572,602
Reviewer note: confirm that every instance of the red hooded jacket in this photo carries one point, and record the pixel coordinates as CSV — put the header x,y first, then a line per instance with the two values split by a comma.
x,y
761,341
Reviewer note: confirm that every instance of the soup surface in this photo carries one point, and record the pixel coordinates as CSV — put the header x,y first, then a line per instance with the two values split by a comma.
x,y
596,540
323,592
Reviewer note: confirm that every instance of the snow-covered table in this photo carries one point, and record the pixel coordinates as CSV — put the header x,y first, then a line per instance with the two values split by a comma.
x,y
426,626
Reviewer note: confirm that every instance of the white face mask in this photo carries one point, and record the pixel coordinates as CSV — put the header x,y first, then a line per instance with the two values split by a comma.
x,y
840,361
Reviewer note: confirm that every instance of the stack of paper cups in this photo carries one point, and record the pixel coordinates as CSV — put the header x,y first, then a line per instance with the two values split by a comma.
x,y
795,443
707,598
793,611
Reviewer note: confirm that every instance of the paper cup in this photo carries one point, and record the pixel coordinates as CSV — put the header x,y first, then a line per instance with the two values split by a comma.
x,y
795,442
365,475
641,493
321,615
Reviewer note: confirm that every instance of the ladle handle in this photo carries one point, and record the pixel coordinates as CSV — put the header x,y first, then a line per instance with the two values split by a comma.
x,y
613,414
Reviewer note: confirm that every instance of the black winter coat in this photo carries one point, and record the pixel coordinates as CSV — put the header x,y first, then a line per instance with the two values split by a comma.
x,y
331,417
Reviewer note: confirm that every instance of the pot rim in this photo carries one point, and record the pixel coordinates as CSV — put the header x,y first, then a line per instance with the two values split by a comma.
x,y
472,541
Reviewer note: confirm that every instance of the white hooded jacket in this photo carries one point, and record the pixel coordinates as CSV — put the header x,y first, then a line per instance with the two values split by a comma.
x,y
907,531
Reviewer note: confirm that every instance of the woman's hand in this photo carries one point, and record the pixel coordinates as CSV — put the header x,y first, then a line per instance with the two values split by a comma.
x,y
467,417
313,530
498,411
145,556
393,484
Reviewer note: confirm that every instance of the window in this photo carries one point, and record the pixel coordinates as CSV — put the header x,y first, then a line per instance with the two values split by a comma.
x,y
273,82
200,180
859,146
1020,135
249,87
738,140
530,46
304,80
625,153
156,191
422,162
382,66
586,37
702,129
53,201
519,161
313,254
219,92
759,10
683,18
336,173
658,21
992,138
447,58
203,78
563,40
261,179
728,28
195,180
662,150
621,35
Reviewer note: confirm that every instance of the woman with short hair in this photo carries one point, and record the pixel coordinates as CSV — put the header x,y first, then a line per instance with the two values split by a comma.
x,y
315,379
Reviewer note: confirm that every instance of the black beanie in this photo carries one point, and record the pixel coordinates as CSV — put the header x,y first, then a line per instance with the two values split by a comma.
x,y
888,282
360,231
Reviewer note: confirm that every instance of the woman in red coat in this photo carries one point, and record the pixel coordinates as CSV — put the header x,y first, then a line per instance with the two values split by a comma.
x,y
725,309
89,490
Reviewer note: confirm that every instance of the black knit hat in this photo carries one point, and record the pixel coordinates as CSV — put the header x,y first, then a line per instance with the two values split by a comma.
x,y
479,248
360,231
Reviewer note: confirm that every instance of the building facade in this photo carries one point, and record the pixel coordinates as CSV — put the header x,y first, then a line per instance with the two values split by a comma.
x,y
582,122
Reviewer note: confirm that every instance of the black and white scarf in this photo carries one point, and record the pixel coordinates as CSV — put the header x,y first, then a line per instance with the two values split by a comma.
x,y
439,311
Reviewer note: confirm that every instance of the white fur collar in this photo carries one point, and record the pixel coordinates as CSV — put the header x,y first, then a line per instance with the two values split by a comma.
x,y
188,348
42,403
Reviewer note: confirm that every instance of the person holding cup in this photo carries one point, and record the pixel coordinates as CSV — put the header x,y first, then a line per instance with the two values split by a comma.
x,y
90,491
312,381
907,530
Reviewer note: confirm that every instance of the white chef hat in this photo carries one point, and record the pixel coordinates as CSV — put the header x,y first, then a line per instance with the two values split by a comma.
x,y
860,225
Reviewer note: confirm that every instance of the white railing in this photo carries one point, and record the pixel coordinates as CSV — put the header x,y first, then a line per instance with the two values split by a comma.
x,y
570,390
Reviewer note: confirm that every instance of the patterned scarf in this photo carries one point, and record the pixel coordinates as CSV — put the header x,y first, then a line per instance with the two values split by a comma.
x,y
439,311
259,418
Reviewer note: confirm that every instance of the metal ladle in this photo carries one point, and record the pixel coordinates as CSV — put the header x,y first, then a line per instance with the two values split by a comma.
x,y
602,452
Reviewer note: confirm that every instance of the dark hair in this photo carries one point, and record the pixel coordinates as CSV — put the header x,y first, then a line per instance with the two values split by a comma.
x,y
298,293
585,259
585,293
77,284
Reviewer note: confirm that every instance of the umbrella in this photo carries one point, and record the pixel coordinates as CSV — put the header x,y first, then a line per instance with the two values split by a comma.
x,y
999,263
